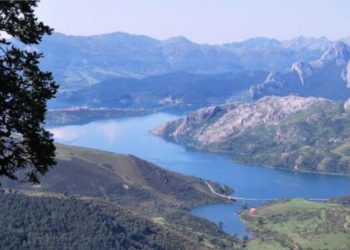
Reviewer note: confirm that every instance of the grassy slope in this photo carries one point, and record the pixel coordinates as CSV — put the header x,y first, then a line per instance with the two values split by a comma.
x,y
45,222
124,179
300,224
135,184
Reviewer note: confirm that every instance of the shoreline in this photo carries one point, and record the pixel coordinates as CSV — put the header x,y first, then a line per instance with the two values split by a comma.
x,y
286,169
235,161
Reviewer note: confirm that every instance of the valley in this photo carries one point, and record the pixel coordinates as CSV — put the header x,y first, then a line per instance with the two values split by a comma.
x,y
246,180
295,120
174,125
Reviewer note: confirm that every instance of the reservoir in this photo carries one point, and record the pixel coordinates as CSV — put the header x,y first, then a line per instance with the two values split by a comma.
x,y
131,136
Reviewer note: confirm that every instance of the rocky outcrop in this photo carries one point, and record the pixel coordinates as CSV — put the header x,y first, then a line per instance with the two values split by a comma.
x,y
292,132
326,77
214,125
339,54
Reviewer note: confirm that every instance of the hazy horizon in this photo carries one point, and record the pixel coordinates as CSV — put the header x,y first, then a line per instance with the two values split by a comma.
x,y
254,37
198,20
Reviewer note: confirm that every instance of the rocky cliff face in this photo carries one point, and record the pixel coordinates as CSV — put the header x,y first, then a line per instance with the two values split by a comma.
x,y
214,125
339,54
326,77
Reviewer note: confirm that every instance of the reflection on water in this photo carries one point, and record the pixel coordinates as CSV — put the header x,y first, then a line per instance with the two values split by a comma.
x,y
131,136
70,134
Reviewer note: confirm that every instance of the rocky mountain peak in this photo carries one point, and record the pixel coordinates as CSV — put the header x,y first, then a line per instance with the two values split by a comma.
x,y
338,53
328,76
272,82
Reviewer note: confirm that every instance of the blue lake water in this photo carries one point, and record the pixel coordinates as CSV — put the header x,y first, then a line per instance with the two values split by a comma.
x,y
131,135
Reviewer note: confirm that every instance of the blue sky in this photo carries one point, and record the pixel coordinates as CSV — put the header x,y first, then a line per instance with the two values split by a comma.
x,y
203,21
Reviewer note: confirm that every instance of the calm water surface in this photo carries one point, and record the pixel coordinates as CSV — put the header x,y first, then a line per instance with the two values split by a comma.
x,y
131,135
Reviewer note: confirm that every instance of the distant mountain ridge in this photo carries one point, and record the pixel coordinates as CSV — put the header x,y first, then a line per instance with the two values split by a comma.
x,y
274,55
79,61
177,90
300,42
328,76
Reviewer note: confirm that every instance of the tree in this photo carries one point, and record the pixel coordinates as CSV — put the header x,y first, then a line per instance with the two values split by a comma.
x,y
26,148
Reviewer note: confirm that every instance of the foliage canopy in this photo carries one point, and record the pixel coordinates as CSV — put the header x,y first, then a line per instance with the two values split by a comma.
x,y
26,148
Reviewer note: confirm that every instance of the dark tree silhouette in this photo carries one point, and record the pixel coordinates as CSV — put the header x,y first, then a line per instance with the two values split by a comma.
x,y
26,148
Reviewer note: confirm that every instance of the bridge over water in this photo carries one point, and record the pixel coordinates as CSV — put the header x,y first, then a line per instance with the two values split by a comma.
x,y
235,198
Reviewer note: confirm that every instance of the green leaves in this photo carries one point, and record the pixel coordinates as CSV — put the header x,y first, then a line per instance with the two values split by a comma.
x,y
26,148
18,20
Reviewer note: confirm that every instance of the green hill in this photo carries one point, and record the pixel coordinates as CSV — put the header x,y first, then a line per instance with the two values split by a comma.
x,y
122,179
162,196
44,222
300,224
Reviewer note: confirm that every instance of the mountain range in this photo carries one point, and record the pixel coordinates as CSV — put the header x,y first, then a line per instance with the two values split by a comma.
x,y
327,77
79,61
180,90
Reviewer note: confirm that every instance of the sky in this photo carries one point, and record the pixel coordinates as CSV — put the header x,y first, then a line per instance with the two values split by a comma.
x,y
202,21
